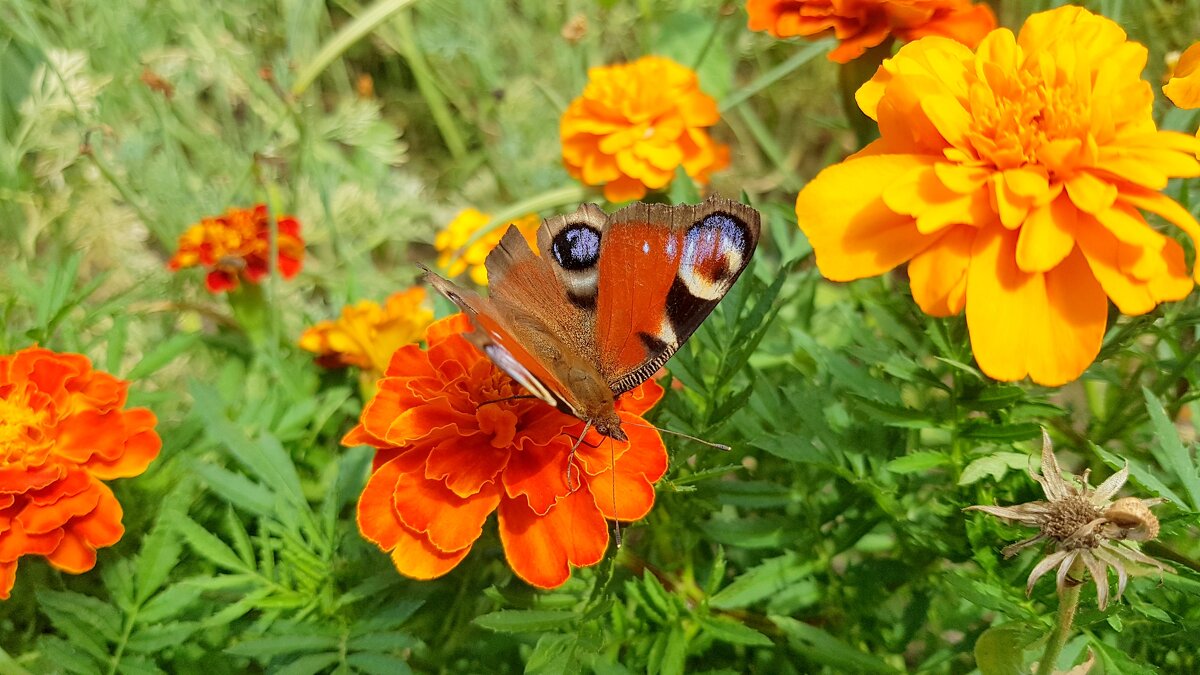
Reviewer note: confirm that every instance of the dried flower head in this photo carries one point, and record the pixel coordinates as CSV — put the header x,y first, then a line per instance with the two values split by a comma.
x,y
366,334
1082,525
455,256
236,247
636,123
64,429
861,24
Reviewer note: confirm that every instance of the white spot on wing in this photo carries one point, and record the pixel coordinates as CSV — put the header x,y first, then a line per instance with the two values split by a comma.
x,y
646,247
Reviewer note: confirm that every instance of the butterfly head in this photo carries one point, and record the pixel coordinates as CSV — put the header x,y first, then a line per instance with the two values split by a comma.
x,y
609,424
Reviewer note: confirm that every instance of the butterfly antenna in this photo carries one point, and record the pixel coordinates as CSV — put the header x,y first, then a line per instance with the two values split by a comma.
x,y
612,466
718,446
571,457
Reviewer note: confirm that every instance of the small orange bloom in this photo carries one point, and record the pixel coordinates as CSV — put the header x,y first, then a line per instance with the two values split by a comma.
x,y
447,457
365,335
862,24
456,257
635,124
1013,180
1184,86
63,430
237,245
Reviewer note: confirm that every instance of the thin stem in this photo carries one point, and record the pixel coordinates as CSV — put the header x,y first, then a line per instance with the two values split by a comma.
x,y
427,84
344,39
775,74
851,76
1068,602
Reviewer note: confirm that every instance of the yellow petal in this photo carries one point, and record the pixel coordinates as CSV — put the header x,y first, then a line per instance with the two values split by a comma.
x,y
1046,238
938,275
1090,193
1045,325
852,231
1184,88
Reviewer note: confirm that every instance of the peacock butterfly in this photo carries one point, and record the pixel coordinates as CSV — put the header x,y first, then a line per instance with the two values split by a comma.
x,y
609,299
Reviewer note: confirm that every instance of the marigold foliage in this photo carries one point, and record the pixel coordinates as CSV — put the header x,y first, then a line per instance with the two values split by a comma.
x,y
635,124
1012,179
366,334
236,247
456,252
63,430
448,455
861,24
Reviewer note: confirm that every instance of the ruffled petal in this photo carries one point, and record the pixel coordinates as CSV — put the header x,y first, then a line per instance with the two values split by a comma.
x,y
938,275
542,548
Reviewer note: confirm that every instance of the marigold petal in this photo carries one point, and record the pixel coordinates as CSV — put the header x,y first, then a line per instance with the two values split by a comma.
x,y
1045,325
938,275
415,557
1091,194
1131,295
72,554
41,518
102,527
1184,87
539,474
18,480
16,542
542,548
851,229
377,518
1046,237
642,398
8,577
466,463
628,493
449,522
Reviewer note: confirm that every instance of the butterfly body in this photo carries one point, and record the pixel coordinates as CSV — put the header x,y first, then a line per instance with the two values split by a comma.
x,y
609,299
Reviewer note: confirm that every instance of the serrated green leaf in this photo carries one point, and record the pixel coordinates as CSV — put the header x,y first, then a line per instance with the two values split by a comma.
x,y
391,641
767,532
169,603
101,618
280,645
58,653
208,545
674,656
310,664
1140,473
822,647
1170,452
162,354
1000,650
378,664
154,638
554,654
160,553
526,620
733,632
1117,662
917,461
761,582
237,489
995,465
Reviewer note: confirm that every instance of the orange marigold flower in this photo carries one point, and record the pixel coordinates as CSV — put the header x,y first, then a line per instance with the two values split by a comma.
x,y
63,430
237,246
445,461
1184,86
1014,180
862,24
456,257
366,334
635,124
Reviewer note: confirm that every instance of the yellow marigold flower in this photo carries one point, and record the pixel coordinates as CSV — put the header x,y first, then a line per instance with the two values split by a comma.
x,y
1184,86
455,257
861,24
1013,180
635,124
366,334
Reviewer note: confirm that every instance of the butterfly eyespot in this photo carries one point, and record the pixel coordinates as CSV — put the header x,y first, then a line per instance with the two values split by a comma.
x,y
577,247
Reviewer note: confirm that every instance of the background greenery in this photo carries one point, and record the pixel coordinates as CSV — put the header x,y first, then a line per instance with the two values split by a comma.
x,y
831,539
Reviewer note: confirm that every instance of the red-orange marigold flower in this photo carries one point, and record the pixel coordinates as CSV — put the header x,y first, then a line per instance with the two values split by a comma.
x,y
862,24
635,124
64,429
237,246
445,461
1013,179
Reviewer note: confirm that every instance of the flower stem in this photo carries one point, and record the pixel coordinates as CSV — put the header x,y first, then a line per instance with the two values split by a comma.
x,y
345,38
1068,602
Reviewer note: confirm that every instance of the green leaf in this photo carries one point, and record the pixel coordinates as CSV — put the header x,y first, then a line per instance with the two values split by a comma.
x,y
279,645
391,641
733,632
554,654
310,664
1140,473
70,657
208,545
762,581
675,654
237,489
153,639
914,462
1117,662
162,354
767,532
169,603
101,618
160,553
996,465
378,664
1000,650
526,620
821,647
1170,452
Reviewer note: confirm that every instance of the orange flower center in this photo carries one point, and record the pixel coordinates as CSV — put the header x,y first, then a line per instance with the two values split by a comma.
x,y
21,437
1015,116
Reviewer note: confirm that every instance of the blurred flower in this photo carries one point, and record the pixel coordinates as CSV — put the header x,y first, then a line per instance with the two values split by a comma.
x,y
452,447
1184,86
455,257
64,429
236,246
635,124
862,24
1081,524
1013,181
366,335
